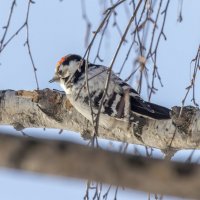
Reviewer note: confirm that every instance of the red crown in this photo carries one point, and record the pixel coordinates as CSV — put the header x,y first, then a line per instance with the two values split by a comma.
x,y
60,62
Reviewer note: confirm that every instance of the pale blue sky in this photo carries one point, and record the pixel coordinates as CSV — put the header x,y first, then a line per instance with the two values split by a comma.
x,y
57,29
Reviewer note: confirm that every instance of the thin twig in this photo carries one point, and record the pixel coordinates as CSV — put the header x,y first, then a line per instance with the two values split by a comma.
x,y
87,21
180,9
7,25
193,79
28,43
112,63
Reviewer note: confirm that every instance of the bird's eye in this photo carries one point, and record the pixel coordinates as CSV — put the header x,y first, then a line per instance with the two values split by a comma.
x,y
60,72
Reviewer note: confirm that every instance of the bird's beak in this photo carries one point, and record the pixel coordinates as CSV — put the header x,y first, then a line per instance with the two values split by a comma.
x,y
54,79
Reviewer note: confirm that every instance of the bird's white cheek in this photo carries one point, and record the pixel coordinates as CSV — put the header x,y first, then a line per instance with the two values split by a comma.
x,y
67,90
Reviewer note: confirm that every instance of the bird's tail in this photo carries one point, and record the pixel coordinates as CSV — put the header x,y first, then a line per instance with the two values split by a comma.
x,y
160,112
150,110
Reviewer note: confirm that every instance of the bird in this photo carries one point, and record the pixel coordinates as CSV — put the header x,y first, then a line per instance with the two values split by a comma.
x,y
84,84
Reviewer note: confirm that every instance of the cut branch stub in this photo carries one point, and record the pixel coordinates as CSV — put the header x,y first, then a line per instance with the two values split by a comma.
x,y
182,117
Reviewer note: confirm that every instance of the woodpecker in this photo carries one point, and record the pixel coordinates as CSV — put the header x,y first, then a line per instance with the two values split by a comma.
x,y
119,100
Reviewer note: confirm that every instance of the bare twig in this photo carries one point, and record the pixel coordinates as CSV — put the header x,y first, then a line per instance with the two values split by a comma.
x,y
115,23
112,63
87,21
6,27
153,53
105,196
180,9
196,67
27,42
13,36
100,43
126,58
107,13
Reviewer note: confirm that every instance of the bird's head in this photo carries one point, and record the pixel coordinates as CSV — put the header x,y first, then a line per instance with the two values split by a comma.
x,y
66,67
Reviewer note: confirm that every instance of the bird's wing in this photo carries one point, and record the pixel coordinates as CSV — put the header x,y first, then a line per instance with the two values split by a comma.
x,y
115,100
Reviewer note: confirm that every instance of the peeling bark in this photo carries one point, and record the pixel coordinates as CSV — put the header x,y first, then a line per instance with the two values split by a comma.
x,y
74,160
52,109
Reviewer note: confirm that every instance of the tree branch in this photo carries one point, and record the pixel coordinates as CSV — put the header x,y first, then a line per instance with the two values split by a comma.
x,y
74,160
52,109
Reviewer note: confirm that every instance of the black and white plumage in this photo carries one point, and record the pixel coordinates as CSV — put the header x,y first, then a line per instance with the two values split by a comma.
x,y
120,99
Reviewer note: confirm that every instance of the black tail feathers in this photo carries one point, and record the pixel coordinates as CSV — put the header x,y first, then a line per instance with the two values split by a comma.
x,y
160,112
149,109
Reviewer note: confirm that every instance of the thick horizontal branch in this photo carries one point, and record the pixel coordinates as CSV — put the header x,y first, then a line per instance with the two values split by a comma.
x,y
52,109
74,160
